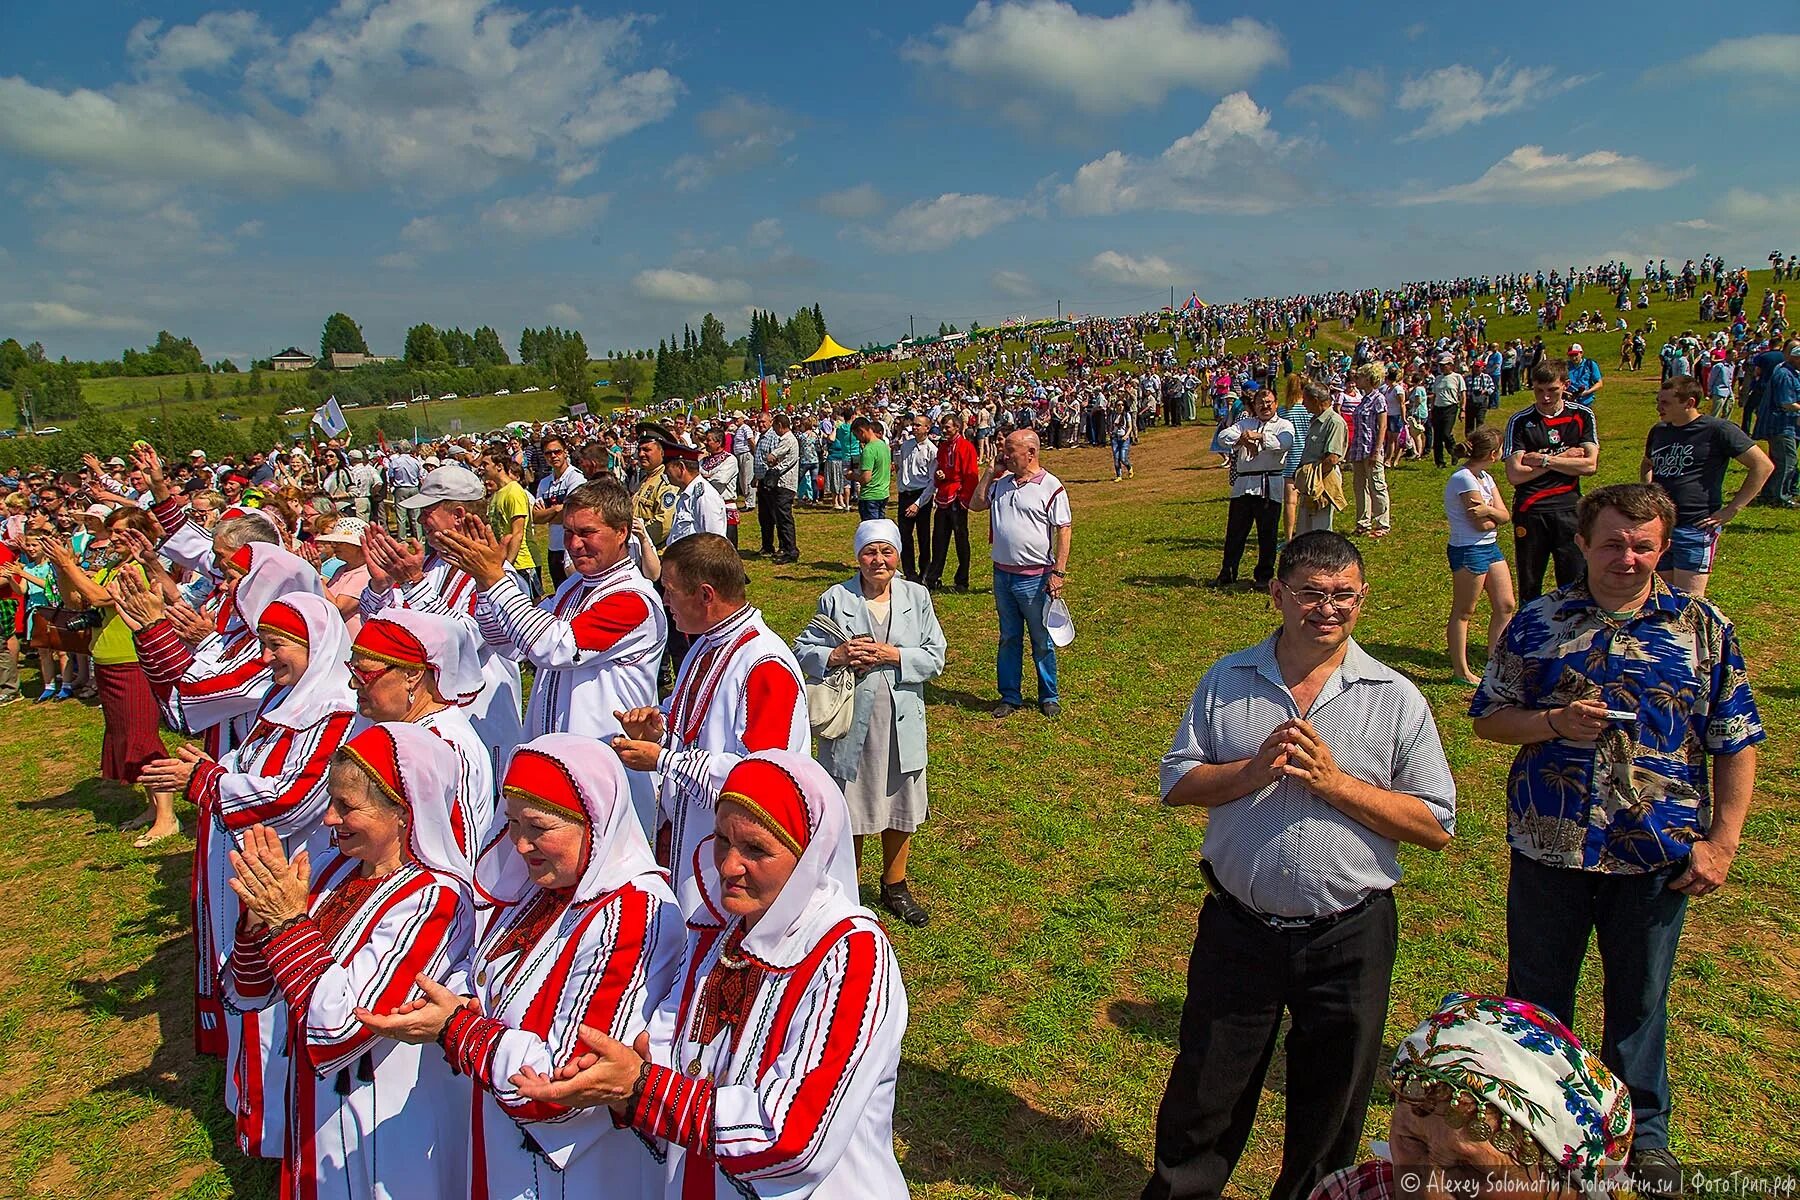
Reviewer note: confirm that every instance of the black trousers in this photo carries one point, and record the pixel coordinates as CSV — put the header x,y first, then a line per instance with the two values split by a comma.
x,y
915,532
1443,433
1540,538
1245,512
1333,984
951,520
775,513
558,570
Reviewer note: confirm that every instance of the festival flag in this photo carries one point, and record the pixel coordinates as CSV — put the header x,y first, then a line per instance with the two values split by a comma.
x,y
330,418
762,381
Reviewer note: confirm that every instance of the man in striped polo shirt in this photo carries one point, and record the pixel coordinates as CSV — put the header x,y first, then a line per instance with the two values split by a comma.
x,y
1029,524
1548,448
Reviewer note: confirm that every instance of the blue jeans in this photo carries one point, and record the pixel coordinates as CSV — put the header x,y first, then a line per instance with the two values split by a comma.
x,y
1021,600
871,510
1549,914
1121,448
1782,450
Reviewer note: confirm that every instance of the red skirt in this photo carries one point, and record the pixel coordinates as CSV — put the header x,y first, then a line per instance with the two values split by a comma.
x,y
133,732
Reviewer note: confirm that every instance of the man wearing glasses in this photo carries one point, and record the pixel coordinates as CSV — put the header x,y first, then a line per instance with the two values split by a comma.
x,y
559,480
1314,762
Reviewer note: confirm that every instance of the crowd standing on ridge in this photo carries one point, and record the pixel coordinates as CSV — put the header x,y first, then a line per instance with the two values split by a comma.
x,y
519,878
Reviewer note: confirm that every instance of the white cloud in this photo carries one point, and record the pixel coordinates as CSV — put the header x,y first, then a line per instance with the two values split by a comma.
x,y
1455,96
1015,285
1700,223
1231,164
1763,54
1529,176
1013,50
1358,93
126,225
53,314
1109,266
565,313
765,233
147,133
950,218
211,42
428,235
745,134
687,287
1743,207
857,203
544,215
436,96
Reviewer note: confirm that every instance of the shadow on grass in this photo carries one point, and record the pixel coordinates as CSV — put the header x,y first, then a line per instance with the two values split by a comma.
x,y
1427,662
983,1138
1189,542
161,988
967,701
109,803
1159,582
1156,1020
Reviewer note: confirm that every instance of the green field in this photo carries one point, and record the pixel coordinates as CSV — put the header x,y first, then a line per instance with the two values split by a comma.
x,y
1045,992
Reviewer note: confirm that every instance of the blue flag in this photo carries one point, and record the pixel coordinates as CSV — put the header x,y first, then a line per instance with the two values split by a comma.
x,y
330,418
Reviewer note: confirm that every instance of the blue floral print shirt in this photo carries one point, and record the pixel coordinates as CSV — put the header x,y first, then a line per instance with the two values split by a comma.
x,y
1638,798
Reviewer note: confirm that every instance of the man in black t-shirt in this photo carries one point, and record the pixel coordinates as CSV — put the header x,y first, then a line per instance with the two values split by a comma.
x,y
1548,448
1686,455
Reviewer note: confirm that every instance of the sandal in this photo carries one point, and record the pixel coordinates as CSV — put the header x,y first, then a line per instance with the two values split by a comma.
x,y
150,838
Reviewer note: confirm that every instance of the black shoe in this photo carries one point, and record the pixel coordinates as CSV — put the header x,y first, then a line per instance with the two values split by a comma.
x,y
1051,709
1004,710
1221,583
962,589
897,898
1655,1172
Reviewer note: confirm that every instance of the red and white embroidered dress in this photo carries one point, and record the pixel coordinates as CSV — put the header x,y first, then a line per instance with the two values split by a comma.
x,y
774,1060
367,1117
603,953
597,646
739,690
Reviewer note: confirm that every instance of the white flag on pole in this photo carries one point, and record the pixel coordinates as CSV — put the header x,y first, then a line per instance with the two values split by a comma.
x,y
330,418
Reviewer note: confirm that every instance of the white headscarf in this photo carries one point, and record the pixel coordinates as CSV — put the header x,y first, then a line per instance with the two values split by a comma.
x,y
325,687
450,650
879,530
588,771
419,771
274,573
822,890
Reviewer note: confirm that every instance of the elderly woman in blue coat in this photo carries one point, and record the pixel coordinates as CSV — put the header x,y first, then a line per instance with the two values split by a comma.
x,y
894,645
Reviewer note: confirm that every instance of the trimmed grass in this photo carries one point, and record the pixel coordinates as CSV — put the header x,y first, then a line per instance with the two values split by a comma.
x,y
1046,992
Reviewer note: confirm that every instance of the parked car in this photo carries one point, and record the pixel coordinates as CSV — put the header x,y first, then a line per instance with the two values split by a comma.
x,y
532,388
449,396
397,406
228,416
503,392
294,412
47,430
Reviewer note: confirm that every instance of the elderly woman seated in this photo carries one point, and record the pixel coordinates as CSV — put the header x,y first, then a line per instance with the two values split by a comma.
x,y
1494,1096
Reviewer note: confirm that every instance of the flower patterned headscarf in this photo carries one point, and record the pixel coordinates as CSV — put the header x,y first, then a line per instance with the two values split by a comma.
x,y
1530,1069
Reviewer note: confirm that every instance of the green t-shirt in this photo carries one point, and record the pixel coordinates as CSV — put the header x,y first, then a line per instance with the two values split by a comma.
x,y
505,506
877,467
112,645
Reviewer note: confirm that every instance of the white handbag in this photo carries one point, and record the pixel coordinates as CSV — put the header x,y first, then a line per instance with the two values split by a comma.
x,y
831,703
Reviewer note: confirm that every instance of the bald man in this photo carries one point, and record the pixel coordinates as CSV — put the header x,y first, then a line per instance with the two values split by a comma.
x,y
1030,528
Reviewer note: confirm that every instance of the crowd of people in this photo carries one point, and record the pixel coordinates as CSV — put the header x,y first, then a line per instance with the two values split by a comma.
x,y
524,873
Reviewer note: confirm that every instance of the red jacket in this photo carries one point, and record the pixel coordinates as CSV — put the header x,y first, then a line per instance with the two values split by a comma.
x,y
958,472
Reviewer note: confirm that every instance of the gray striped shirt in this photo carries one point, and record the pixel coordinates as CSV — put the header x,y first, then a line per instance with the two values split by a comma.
x,y
1282,850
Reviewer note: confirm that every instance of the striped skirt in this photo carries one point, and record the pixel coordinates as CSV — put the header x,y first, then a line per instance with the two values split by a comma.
x,y
133,734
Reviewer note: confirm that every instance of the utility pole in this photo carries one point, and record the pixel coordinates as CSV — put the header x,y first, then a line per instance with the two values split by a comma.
x,y
910,334
1059,310
1171,296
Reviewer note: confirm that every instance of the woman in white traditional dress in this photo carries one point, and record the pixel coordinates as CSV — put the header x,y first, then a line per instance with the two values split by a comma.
x,y
769,1070
425,669
579,930
276,778
367,1117
884,629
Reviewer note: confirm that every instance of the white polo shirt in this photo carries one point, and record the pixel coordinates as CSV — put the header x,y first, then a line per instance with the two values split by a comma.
x,y
1023,517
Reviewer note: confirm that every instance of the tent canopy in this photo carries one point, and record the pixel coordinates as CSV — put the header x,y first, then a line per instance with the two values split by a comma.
x,y
828,349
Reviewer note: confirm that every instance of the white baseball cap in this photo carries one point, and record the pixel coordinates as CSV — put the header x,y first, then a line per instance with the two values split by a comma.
x,y
449,482
1058,623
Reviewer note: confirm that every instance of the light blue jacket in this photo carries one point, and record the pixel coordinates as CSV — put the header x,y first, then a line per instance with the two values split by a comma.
x,y
913,627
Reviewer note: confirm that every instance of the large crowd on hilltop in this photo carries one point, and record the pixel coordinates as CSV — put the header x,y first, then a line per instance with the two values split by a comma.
x,y
531,867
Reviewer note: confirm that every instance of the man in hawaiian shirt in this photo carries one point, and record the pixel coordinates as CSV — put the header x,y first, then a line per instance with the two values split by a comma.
x,y
1637,734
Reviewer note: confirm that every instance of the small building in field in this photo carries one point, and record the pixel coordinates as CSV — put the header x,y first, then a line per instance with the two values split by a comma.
x,y
346,361
293,359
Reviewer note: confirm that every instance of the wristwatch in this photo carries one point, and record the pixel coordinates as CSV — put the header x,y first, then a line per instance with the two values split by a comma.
x,y
1059,574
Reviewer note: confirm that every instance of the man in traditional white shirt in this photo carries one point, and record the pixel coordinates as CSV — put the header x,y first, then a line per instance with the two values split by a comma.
x,y
1258,444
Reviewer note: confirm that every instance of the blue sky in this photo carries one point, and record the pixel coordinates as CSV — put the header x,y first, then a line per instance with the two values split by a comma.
x,y
235,175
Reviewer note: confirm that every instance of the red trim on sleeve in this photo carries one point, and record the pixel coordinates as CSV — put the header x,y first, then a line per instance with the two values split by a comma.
x,y
678,1109
601,626
770,695
314,770
821,1083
